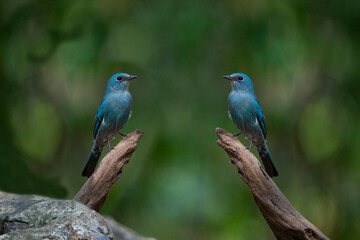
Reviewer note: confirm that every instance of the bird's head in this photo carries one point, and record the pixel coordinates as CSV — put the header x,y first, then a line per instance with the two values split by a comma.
x,y
240,81
119,81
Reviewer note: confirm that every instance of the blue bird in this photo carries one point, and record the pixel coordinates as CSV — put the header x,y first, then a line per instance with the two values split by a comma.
x,y
114,111
246,113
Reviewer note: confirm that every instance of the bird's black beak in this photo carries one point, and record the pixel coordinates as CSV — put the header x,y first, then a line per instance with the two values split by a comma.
x,y
228,77
131,77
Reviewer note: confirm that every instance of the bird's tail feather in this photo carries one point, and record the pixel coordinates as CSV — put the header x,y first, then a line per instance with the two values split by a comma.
x,y
268,163
92,161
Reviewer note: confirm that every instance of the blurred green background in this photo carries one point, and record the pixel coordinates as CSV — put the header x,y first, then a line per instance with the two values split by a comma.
x,y
303,57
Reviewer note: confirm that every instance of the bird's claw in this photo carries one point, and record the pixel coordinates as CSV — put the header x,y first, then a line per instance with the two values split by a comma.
x,y
236,135
123,135
249,147
110,148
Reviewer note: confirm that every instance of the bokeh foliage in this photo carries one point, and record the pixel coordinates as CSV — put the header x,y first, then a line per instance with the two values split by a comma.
x,y
303,57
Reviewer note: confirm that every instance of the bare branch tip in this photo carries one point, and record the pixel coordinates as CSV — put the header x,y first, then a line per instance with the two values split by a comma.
x,y
220,131
134,136
139,132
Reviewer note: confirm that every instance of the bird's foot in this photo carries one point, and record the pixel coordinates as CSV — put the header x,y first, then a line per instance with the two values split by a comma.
x,y
110,148
249,147
236,135
123,135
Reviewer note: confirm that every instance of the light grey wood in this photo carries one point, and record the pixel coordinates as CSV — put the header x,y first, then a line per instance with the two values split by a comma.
x,y
93,193
284,220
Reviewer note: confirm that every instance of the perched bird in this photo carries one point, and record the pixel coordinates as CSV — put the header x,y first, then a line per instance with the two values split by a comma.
x,y
246,113
114,111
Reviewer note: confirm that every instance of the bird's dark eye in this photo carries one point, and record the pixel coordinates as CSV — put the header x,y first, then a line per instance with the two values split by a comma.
x,y
119,78
241,78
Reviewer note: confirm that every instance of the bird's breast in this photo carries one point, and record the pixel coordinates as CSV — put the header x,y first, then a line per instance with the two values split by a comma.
x,y
240,101
242,109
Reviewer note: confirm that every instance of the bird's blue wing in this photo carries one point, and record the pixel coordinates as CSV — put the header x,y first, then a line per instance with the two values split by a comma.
x,y
99,117
260,117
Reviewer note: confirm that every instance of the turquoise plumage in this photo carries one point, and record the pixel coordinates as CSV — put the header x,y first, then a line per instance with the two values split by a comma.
x,y
246,113
113,113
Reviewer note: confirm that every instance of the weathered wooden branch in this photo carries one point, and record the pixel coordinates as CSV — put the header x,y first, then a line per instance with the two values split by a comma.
x,y
93,193
284,220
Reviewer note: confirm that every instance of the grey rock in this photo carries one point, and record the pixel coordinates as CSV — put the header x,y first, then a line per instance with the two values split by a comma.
x,y
35,217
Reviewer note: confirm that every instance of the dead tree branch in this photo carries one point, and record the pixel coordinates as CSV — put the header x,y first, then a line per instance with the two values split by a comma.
x,y
93,193
284,220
